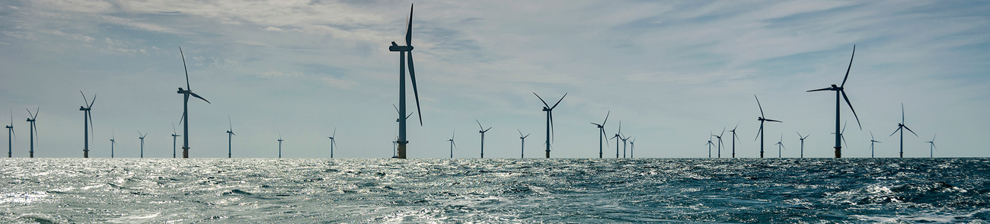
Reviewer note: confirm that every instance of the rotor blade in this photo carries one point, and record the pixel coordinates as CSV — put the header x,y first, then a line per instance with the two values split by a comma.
x,y
604,134
183,118
850,66
758,104
843,128
91,128
489,128
723,132
902,113
527,135
606,116
909,129
185,69
558,101
229,123
541,100
871,135
851,108
822,89
758,133
520,132
552,134
895,131
771,120
197,96
334,133
479,124
396,109
84,98
91,102
933,137
412,73
409,28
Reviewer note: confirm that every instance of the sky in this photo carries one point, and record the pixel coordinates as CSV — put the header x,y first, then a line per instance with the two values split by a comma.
x,y
671,72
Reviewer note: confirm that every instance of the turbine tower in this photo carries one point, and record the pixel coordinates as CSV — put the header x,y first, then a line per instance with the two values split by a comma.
x,y
333,141
34,129
112,143
522,148
279,145
10,135
840,90
901,127
601,134
452,144
230,137
482,130
780,144
871,143
141,136
802,141
87,121
632,147
719,136
931,150
174,136
734,140
762,119
549,111
624,146
185,107
403,50
617,137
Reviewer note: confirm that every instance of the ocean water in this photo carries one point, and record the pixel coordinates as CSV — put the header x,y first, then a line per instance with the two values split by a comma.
x,y
494,190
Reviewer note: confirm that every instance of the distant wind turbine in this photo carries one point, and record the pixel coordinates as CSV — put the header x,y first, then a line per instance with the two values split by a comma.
x,y
522,148
230,138
901,127
10,135
780,144
624,146
802,142
87,122
280,145
840,89
174,136
632,146
762,119
142,142
549,111
871,143
185,107
402,83
112,143
452,144
931,150
710,144
482,131
734,140
719,136
34,129
333,141
842,134
601,134
617,137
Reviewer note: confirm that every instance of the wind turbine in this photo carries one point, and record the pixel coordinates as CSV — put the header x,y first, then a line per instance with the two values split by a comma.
x,y
631,147
333,141
840,90
87,120
710,144
230,137
173,139
617,138
734,140
624,146
719,136
549,111
142,142
10,135
842,134
113,143
34,129
806,136
280,145
452,144
185,107
601,133
901,127
482,131
762,119
873,141
931,150
522,148
780,144
402,83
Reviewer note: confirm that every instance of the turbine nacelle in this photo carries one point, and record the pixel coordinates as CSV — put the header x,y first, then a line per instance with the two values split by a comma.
x,y
399,48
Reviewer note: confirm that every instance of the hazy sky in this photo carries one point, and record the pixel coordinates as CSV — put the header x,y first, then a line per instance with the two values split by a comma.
x,y
670,71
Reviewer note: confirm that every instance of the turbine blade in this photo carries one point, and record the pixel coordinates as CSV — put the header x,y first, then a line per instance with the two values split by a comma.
x,y
759,132
334,133
489,128
552,134
541,100
606,117
409,26
758,104
558,101
771,120
520,132
91,102
909,129
851,108
902,113
822,89
850,66
197,96
895,131
479,124
184,68
86,102
229,123
412,75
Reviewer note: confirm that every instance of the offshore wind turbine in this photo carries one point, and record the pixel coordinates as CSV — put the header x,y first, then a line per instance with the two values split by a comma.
x,y
931,150
901,127
34,129
230,137
280,145
710,144
617,137
624,146
632,146
402,141
185,107
874,141
806,136
482,131
840,89
174,136
842,134
522,148
142,142
333,141
10,135
780,144
601,133
112,142
762,119
719,136
87,122
549,111
734,140
452,144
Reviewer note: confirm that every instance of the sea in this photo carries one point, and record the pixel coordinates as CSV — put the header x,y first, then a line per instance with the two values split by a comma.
x,y
848,190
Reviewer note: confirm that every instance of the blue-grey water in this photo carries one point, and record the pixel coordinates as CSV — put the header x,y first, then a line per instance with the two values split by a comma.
x,y
494,190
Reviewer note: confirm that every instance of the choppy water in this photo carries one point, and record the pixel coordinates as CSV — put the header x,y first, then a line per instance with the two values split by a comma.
x,y
494,190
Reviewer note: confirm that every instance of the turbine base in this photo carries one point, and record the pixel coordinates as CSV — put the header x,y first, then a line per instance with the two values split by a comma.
x,y
402,150
838,152
185,152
